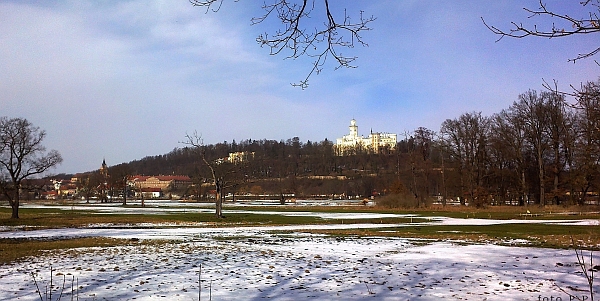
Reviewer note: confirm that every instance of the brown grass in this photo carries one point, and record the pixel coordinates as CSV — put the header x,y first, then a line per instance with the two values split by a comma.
x,y
564,241
538,235
12,250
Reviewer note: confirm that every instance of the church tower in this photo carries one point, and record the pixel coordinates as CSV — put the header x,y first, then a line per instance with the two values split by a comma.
x,y
104,169
103,188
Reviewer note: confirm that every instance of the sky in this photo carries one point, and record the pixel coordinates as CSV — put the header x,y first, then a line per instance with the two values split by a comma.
x,y
121,80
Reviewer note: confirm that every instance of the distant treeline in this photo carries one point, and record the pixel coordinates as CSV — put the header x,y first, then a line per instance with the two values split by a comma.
x,y
539,150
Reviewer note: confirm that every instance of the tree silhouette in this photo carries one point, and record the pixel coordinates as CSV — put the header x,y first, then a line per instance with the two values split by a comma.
x,y
21,155
567,25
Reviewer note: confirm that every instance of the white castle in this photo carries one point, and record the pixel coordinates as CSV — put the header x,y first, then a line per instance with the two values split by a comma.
x,y
374,143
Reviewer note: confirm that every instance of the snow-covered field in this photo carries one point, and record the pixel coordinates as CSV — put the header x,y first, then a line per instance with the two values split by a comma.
x,y
259,263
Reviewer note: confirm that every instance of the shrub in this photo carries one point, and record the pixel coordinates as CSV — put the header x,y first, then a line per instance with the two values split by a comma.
x,y
398,200
400,197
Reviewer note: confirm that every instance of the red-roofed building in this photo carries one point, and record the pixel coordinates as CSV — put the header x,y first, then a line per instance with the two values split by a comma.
x,y
50,195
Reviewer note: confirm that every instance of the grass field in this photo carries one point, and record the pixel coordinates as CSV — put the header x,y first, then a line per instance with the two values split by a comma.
x,y
292,253
542,235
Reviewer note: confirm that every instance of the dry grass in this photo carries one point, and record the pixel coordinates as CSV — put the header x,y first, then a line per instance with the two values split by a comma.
x,y
54,218
539,235
514,209
12,250
510,212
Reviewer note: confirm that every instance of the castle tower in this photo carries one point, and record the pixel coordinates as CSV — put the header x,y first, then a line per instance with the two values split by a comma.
x,y
374,143
353,128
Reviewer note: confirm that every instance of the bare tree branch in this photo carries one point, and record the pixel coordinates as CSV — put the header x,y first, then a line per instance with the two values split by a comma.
x,y
567,25
297,40
209,4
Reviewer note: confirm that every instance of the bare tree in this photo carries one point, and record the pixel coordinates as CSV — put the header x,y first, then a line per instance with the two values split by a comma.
x,y
423,140
297,39
537,113
218,177
509,133
117,182
530,109
21,155
196,141
451,137
587,146
562,136
86,186
466,142
566,25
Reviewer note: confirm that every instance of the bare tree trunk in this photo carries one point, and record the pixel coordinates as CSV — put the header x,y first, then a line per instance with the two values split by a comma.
x,y
445,192
524,188
462,186
218,199
14,203
281,198
414,178
15,208
556,171
541,176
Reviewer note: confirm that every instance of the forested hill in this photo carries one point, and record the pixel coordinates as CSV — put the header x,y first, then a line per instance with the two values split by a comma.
x,y
539,149
290,166
269,158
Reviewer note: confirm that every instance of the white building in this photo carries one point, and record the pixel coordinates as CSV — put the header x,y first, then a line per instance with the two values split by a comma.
x,y
374,143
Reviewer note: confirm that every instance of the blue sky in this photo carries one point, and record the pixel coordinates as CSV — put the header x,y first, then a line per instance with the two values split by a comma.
x,y
121,80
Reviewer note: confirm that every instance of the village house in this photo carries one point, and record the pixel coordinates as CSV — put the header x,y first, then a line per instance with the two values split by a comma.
x,y
149,193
